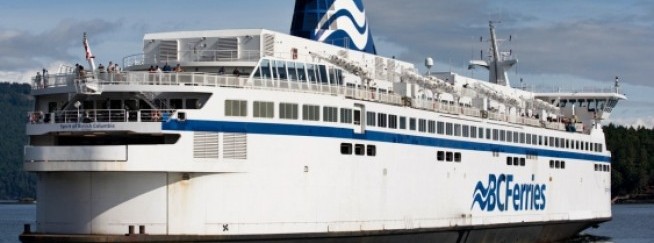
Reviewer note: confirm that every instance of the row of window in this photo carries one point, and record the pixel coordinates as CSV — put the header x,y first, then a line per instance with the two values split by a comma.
x,y
298,72
601,167
557,164
358,149
290,111
448,156
515,161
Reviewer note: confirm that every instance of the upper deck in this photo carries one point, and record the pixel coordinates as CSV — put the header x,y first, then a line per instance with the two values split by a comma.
x,y
138,81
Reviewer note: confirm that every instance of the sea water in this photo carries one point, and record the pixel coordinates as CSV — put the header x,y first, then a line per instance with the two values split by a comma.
x,y
632,223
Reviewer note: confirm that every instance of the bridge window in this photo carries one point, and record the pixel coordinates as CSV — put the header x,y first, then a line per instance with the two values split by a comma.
x,y
263,109
288,111
236,108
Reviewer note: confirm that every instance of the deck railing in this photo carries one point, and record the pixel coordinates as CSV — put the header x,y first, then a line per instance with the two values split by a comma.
x,y
217,80
99,115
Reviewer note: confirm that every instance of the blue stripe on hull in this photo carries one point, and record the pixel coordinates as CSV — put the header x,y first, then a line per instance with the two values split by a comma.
x,y
376,136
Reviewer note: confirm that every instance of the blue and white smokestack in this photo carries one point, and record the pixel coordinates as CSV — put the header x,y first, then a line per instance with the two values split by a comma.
x,y
338,22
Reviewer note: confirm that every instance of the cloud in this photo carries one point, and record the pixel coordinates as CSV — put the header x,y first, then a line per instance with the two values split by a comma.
x,y
23,52
596,46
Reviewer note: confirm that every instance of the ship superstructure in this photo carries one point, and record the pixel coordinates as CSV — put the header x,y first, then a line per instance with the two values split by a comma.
x,y
261,136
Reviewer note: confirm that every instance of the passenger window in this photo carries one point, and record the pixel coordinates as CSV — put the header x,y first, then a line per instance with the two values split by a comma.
x,y
359,149
449,157
457,157
509,161
371,150
440,155
346,148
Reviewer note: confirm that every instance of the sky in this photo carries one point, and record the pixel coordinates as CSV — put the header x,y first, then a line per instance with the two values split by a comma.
x,y
559,43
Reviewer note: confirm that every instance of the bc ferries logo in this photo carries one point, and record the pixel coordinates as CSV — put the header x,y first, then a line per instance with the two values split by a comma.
x,y
502,194
339,22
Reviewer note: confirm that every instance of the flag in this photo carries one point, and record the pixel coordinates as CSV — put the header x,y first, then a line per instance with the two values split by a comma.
x,y
89,55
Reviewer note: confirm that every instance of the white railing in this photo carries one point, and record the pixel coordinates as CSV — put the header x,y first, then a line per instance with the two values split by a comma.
x,y
216,80
100,115
193,56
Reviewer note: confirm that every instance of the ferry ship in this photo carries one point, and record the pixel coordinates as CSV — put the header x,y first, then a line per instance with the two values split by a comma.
x,y
310,137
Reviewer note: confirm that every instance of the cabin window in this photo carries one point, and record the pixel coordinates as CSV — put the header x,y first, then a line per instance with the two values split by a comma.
x,y
509,161
449,129
263,109
522,161
346,115
371,150
562,164
371,118
392,121
473,132
412,124
288,111
457,157
551,163
465,131
440,155
236,108
382,120
431,126
359,149
488,133
440,127
457,130
522,137
402,122
509,135
346,148
496,134
191,104
449,156
330,114
311,112
422,125
528,140
357,117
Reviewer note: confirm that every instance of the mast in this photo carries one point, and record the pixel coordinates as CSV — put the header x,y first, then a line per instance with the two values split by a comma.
x,y
497,64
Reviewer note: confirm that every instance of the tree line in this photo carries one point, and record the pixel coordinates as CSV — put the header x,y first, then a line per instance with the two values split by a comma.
x,y
632,148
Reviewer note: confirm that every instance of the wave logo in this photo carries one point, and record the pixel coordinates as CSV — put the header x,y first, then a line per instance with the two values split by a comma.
x,y
338,22
500,193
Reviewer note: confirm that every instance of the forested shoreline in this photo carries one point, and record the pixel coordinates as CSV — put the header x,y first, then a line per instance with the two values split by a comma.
x,y
632,148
